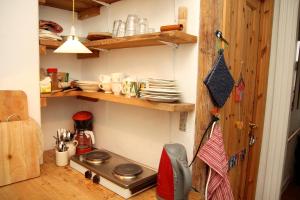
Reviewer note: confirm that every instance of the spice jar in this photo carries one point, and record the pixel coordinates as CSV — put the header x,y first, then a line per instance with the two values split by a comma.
x,y
52,73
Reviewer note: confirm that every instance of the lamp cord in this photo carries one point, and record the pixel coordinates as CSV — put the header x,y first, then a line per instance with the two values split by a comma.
x,y
214,119
73,19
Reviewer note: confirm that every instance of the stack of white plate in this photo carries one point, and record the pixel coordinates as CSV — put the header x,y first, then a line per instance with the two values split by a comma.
x,y
161,90
88,86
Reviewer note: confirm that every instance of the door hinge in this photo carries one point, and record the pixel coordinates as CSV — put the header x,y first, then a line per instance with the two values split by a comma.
x,y
251,140
297,51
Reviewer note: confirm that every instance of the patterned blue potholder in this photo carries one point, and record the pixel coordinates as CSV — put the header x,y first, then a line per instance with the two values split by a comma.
x,y
219,81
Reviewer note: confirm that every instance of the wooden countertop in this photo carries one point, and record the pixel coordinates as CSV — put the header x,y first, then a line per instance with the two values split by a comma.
x,y
58,183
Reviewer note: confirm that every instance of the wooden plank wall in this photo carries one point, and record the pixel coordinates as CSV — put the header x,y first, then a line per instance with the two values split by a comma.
x,y
211,14
212,17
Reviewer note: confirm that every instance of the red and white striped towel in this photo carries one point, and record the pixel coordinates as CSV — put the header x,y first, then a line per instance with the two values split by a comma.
x,y
213,154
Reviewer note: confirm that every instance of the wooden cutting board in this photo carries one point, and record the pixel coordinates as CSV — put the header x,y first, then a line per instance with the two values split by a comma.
x,y
13,102
20,150
99,36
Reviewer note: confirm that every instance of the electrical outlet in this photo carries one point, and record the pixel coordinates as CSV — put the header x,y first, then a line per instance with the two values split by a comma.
x,y
182,121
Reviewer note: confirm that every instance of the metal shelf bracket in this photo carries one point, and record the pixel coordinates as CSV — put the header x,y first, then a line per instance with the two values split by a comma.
x,y
170,44
100,49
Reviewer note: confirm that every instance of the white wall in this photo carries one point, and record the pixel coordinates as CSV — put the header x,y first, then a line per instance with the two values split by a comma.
x,y
19,52
62,17
58,113
136,133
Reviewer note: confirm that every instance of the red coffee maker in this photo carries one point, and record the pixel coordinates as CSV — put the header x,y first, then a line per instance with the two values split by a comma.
x,y
83,125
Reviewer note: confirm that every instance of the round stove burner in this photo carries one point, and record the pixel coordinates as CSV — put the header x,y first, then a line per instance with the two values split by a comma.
x,y
127,171
96,157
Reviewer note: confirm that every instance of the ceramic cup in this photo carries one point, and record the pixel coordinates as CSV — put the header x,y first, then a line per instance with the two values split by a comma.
x,y
104,78
129,87
116,88
117,77
61,158
72,148
106,87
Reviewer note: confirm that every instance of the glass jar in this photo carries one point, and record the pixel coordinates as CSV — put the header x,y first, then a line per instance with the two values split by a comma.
x,y
52,73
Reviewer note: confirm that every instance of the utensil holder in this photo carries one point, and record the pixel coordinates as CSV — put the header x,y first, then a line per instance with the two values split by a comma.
x,y
61,158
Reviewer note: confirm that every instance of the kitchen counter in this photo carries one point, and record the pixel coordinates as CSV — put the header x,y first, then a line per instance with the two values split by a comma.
x,y
58,183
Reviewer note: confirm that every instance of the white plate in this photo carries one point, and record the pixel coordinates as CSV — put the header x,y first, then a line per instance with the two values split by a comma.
x,y
162,87
159,94
160,99
161,80
161,90
158,85
88,83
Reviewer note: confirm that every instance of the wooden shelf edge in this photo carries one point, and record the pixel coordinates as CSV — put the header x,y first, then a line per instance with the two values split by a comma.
x,y
144,40
151,39
53,44
170,107
50,44
85,8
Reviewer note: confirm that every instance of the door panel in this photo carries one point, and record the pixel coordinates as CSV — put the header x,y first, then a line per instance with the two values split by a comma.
x,y
241,29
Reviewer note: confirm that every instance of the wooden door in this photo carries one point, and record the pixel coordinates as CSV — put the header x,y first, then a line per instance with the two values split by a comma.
x,y
246,25
241,29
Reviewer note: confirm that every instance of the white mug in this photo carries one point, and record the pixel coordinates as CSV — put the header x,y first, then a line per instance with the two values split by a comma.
x,y
129,87
61,158
106,87
117,77
72,148
104,78
116,88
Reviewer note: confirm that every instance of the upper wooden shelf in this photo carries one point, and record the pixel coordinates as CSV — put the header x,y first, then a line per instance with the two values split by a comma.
x,y
50,44
53,44
170,107
150,39
84,8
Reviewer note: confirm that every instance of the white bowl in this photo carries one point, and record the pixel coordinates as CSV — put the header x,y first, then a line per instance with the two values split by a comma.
x,y
87,82
89,88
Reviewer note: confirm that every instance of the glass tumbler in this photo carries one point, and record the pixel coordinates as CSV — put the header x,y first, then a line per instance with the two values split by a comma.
x,y
116,27
131,25
121,29
142,26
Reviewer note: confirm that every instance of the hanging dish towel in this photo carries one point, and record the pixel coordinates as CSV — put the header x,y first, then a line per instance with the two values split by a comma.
x,y
213,154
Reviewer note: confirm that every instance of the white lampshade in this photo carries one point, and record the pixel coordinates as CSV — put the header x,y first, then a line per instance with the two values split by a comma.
x,y
72,45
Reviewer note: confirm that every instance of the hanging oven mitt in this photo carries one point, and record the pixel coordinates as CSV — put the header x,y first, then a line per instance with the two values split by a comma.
x,y
219,81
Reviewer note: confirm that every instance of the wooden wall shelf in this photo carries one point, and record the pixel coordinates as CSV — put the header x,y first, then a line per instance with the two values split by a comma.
x,y
50,44
53,44
151,39
170,107
144,40
84,8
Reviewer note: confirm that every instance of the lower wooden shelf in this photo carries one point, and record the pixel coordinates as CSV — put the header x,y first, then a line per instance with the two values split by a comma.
x,y
94,96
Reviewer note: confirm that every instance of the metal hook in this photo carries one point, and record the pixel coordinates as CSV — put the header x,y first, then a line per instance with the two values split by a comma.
x,y
219,35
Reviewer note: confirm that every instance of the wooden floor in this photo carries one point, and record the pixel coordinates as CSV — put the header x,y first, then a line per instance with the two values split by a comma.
x,y
57,183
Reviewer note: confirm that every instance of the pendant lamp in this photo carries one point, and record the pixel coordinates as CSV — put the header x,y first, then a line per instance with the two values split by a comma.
x,y
72,45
